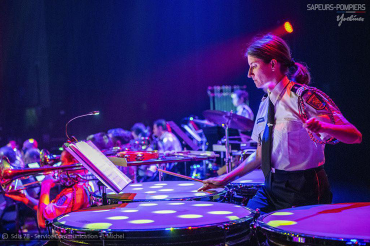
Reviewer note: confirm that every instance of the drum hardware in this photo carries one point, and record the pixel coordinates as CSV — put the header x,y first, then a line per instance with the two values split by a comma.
x,y
159,191
240,191
228,120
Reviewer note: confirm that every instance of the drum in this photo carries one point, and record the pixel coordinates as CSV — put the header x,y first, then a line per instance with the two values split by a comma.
x,y
155,191
243,189
332,224
156,223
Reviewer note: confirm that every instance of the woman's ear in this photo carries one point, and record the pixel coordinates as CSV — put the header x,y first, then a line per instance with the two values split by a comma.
x,y
273,63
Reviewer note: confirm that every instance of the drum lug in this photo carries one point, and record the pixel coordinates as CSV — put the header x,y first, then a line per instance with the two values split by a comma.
x,y
102,236
253,225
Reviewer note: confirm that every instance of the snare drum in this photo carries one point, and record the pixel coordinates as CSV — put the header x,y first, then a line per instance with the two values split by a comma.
x,y
155,191
332,224
243,189
156,223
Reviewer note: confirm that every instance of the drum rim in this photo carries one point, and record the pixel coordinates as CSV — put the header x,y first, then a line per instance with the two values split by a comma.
x,y
222,192
190,198
55,224
263,227
252,185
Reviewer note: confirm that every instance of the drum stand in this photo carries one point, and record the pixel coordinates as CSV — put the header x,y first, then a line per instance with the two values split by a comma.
x,y
227,145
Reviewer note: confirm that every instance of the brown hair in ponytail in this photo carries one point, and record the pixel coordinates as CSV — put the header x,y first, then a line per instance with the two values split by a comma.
x,y
271,47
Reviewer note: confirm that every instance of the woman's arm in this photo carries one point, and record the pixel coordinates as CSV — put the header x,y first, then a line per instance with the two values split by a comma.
x,y
251,163
23,196
46,186
346,133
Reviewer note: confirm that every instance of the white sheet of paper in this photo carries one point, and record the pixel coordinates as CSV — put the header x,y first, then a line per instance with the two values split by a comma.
x,y
118,180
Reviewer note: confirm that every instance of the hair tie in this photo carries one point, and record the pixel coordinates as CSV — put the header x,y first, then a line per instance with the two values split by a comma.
x,y
292,63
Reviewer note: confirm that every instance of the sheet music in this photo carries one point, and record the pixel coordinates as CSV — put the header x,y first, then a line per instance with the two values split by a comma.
x,y
98,164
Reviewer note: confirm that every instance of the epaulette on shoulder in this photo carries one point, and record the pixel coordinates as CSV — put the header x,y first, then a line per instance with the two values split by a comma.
x,y
310,95
300,89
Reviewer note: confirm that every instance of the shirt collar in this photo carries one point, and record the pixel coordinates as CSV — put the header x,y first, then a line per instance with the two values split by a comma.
x,y
275,93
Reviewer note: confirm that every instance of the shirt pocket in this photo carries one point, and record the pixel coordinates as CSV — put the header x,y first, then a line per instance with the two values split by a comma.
x,y
294,135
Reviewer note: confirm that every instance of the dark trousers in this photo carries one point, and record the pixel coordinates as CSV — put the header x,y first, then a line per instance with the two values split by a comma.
x,y
285,189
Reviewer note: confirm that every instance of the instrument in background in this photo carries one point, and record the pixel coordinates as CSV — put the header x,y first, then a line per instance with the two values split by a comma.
x,y
331,224
140,144
156,223
228,120
8,175
220,96
182,135
243,189
172,157
234,121
164,190
46,159
138,155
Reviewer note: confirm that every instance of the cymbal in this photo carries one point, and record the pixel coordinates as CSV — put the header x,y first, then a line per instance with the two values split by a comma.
x,y
235,121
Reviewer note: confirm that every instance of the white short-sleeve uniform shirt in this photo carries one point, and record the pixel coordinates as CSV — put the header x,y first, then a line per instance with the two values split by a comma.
x,y
292,147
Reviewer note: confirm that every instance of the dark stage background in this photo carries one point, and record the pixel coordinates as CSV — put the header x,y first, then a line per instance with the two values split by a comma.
x,y
143,60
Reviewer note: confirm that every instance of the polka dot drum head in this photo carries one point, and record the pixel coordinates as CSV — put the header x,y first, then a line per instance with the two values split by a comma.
x,y
342,222
153,215
166,190
252,178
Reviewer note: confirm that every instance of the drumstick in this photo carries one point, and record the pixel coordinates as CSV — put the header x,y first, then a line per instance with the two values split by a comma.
x,y
180,175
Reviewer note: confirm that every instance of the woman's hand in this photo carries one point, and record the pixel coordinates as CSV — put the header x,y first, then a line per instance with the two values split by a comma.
x,y
346,133
314,125
212,183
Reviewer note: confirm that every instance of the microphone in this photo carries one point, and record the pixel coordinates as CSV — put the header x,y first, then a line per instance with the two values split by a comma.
x,y
73,139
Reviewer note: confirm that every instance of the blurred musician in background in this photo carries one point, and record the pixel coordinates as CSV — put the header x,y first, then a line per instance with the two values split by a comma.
x,y
74,196
31,156
121,139
140,142
101,140
29,144
167,141
240,99
139,130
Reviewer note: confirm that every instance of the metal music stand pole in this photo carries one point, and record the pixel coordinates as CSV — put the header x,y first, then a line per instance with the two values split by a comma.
x,y
103,192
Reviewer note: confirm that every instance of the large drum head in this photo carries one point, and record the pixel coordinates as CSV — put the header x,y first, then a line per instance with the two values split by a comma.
x,y
161,222
168,190
254,178
333,224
